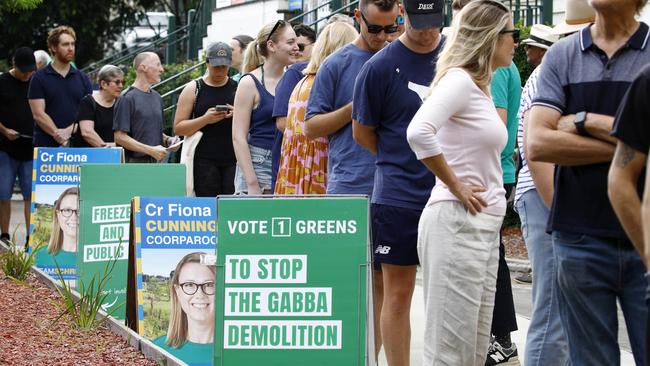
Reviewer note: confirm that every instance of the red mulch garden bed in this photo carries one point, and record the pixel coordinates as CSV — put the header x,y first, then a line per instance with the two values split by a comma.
x,y
29,337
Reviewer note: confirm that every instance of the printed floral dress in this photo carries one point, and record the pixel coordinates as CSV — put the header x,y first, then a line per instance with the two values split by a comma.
x,y
303,162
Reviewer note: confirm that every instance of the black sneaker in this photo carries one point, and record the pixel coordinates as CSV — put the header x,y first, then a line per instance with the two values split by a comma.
x,y
525,278
497,355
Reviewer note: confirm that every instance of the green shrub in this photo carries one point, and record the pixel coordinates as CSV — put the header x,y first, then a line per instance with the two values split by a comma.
x,y
84,310
17,262
520,55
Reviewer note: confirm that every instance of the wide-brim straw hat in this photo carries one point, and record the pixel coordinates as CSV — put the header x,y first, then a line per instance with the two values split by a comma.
x,y
578,15
541,36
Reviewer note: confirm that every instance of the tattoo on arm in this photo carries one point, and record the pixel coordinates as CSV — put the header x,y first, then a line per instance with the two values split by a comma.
x,y
624,155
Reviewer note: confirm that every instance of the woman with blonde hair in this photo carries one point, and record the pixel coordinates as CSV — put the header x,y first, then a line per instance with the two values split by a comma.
x,y
459,136
303,162
253,125
65,220
190,334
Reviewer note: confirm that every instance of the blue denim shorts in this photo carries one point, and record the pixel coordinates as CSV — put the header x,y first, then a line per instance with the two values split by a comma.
x,y
261,159
12,168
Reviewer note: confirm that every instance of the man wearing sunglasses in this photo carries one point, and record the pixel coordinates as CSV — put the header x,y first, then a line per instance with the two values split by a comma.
x,y
388,92
350,168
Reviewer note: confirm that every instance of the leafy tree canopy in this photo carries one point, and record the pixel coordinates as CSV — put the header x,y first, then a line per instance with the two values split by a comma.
x,y
96,23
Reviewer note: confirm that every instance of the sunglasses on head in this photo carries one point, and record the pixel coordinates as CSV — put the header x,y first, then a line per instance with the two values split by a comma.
x,y
275,27
515,34
374,28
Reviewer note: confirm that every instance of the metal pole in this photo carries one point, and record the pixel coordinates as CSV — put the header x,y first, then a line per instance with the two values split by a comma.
x,y
191,40
170,49
547,12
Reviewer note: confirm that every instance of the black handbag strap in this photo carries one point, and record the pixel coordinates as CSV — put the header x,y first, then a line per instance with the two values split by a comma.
x,y
196,95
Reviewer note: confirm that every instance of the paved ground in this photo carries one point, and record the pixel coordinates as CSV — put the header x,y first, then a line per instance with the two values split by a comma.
x,y
522,296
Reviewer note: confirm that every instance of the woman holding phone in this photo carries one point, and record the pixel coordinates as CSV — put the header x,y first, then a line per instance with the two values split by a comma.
x,y
206,105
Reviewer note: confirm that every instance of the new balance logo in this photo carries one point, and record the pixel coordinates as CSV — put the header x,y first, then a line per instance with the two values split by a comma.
x,y
382,249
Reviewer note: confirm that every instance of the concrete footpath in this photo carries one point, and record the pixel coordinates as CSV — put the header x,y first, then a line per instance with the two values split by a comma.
x,y
522,297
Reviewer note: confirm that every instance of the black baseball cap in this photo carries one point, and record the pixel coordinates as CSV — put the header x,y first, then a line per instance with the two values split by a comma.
x,y
24,59
424,14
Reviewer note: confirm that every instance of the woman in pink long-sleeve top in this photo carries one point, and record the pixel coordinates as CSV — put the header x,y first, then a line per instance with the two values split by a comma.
x,y
459,136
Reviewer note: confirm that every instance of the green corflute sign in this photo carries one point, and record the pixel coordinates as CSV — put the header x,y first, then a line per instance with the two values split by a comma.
x,y
291,281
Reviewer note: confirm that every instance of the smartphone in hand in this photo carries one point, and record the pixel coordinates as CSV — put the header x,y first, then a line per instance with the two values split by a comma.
x,y
222,108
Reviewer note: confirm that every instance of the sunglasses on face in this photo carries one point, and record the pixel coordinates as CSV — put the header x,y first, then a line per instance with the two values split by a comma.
x,y
374,28
515,34
117,82
275,27
302,46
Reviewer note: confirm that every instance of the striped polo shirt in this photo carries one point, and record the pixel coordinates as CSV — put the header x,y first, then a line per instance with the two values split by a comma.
x,y
578,76
524,179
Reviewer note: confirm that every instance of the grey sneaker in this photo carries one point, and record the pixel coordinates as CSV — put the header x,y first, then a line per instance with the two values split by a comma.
x,y
497,355
525,278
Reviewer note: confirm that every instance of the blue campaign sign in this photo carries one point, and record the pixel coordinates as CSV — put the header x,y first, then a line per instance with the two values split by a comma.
x,y
54,220
61,165
175,245
177,223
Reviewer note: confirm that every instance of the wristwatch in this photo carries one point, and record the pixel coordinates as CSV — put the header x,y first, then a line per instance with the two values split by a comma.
x,y
579,122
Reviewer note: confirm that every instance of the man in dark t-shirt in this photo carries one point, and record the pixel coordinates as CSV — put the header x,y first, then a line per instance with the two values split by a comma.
x,y
16,124
138,115
56,90
627,172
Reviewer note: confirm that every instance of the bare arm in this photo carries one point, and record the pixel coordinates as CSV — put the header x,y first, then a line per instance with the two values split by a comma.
x,y
468,195
645,216
365,136
622,183
548,144
157,152
503,114
9,133
598,126
325,124
244,103
43,120
185,126
281,123
542,173
90,135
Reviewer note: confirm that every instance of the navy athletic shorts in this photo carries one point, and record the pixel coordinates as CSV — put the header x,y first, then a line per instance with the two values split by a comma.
x,y
395,235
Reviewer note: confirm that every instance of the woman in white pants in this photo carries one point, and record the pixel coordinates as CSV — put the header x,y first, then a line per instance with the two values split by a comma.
x,y
459,136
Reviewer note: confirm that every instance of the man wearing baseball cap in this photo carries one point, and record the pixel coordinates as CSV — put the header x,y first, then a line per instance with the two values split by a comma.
x,y
16,126
388,92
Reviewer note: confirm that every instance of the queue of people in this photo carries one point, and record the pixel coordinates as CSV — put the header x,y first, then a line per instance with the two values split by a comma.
x,y
426,123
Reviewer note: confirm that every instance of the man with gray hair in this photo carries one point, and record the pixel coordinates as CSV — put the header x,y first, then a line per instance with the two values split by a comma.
x,y
138,116
42,59
582,82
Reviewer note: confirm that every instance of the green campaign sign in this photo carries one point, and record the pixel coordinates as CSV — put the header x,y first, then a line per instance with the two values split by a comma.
x,y
292,281
105,194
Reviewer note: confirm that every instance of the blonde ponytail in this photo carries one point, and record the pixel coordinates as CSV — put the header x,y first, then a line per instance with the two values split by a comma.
x,y
252,57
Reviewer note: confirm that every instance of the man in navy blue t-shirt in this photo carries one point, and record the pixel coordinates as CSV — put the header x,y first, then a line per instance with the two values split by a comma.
x,y
387,94
350,168
56,90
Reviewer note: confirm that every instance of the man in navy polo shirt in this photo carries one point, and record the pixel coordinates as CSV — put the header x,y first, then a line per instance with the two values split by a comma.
x,y
388,92
581,84
56,90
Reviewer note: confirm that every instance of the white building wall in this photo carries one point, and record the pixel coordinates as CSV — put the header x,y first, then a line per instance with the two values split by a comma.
x,y
245,18
558,12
